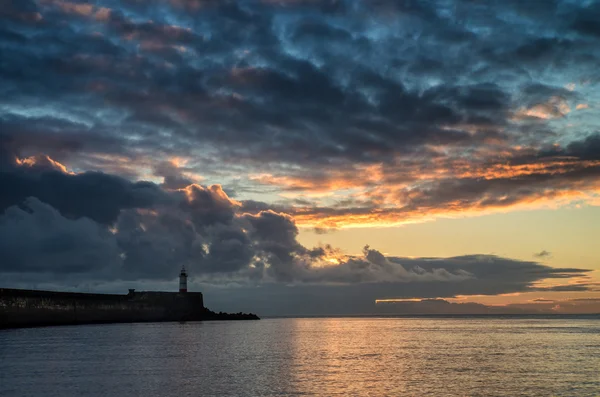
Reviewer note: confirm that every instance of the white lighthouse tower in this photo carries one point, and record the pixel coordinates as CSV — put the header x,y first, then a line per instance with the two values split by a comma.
x,y
183,280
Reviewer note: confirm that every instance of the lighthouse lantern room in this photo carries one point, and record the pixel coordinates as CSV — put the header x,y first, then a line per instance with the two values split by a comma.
x,y
183,280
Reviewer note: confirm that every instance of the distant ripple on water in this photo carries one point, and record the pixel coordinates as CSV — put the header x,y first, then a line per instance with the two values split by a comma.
x,y
327,357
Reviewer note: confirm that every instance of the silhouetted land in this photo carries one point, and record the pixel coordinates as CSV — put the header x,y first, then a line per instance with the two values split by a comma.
x,y
32,308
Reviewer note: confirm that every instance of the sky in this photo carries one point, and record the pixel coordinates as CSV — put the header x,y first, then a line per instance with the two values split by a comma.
x,y
304,157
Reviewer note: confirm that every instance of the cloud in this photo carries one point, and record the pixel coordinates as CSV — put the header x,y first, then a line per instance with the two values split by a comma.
x,y
555,107
174,176
542,254
270,97
95,195
588,148
145,231
36,238
584,24
315,114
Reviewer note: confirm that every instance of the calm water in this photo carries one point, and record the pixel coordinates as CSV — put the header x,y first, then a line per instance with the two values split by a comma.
x,y
401,356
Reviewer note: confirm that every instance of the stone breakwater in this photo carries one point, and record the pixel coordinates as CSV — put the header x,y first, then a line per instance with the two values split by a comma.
x,y
30,308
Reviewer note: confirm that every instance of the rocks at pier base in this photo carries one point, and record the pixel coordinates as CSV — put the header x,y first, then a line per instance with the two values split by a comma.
x,y
210,315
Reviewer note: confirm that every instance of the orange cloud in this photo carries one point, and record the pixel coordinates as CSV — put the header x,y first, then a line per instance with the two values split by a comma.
x,y
42,160
555,107
394,216
216,191
357,177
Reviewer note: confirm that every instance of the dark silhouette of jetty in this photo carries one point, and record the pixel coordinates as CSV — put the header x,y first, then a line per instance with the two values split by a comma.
x,y
31,308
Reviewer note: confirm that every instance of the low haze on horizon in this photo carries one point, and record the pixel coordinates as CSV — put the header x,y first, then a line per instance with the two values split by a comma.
x,y
305,157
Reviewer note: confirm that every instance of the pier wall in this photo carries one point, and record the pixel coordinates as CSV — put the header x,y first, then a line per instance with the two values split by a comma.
x,y
22,308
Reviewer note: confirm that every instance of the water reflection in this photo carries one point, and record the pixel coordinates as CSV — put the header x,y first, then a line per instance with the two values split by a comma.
x,y
306,357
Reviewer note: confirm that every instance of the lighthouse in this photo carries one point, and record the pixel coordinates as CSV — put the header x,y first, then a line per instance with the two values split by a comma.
x,y
183,280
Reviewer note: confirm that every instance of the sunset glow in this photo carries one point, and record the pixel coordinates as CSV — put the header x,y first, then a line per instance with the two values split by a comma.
x,y
436,155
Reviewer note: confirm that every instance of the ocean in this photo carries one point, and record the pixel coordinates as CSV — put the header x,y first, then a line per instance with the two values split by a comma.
x,y
461,356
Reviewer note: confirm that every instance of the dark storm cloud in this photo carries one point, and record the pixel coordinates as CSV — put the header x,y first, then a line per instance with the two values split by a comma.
x,y
174,177
276,89
208,206
94,195
331,106
58,138
22,11
230,251
585,20
587,149
485,267
276,239
35,238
